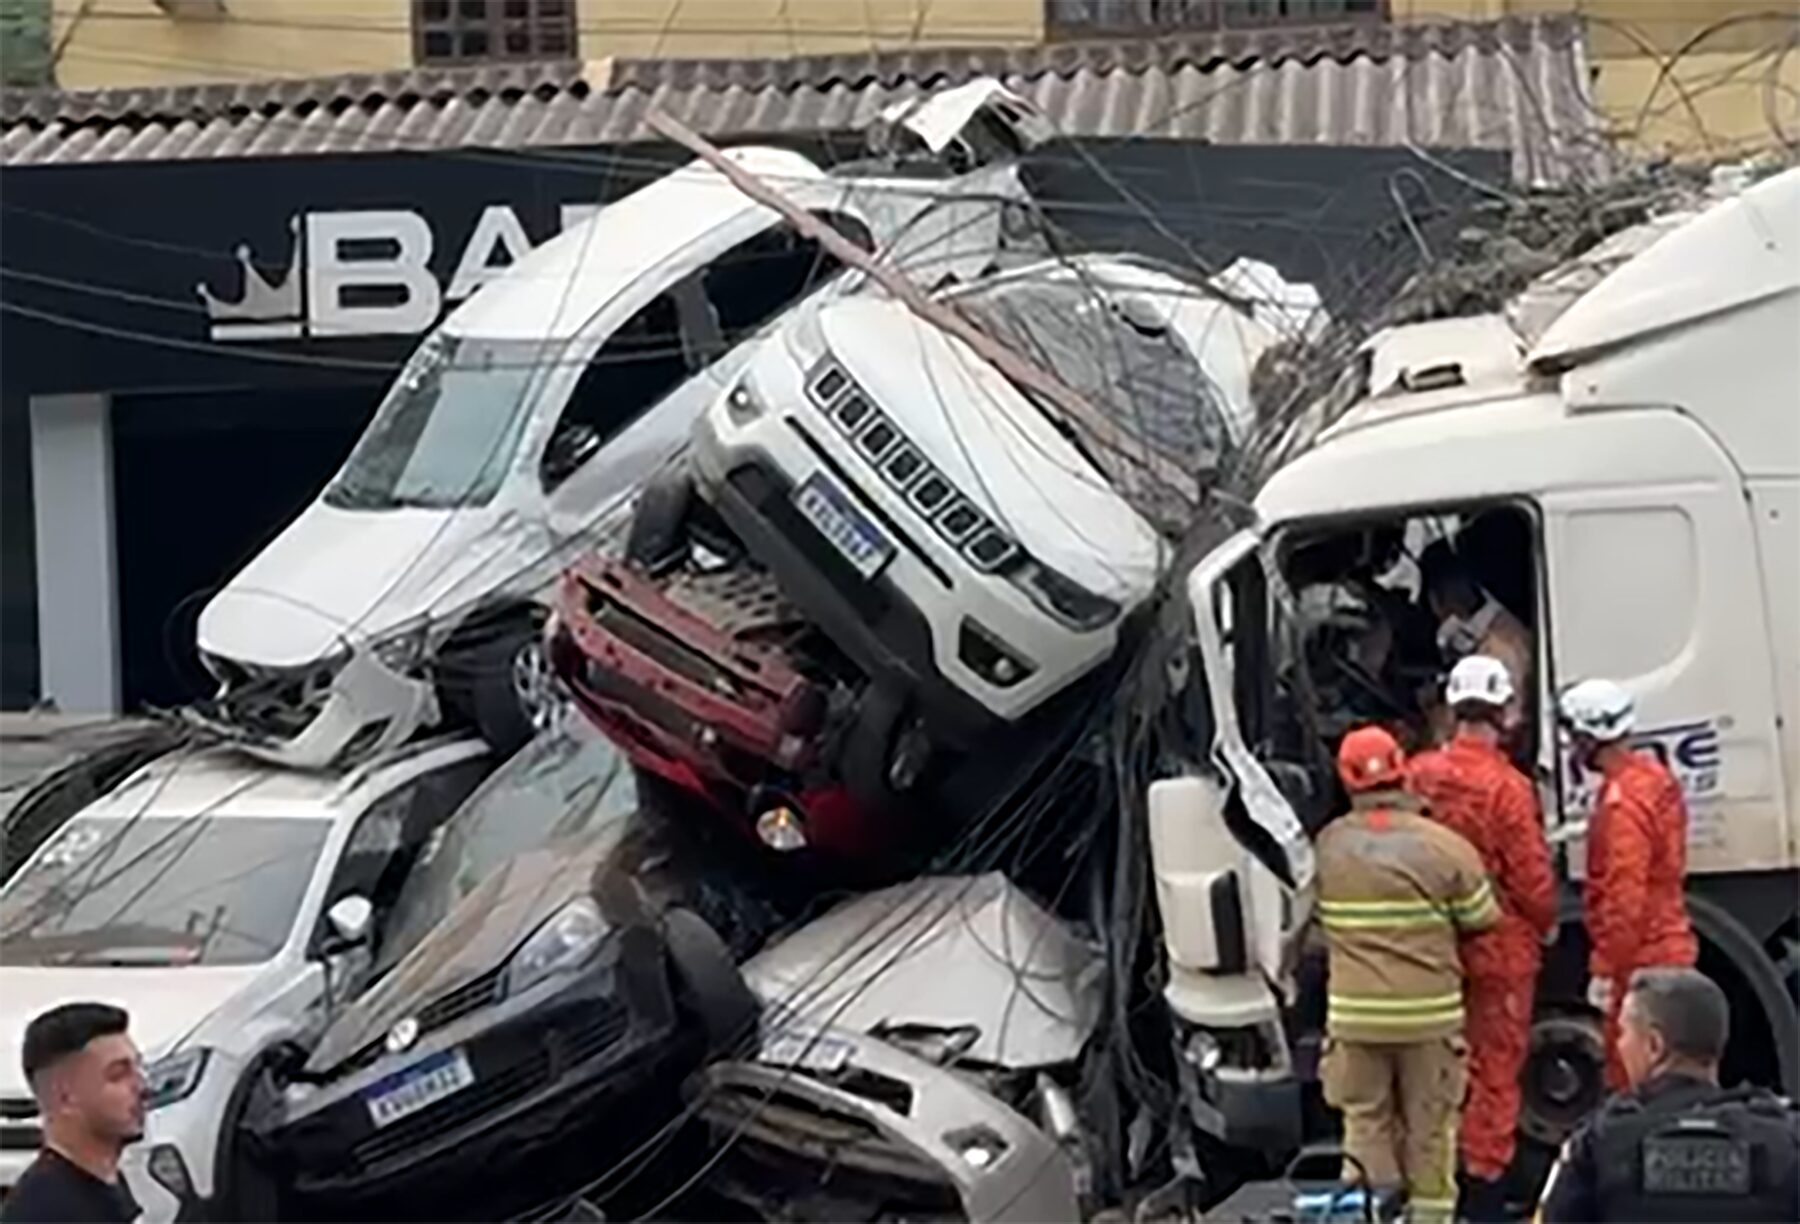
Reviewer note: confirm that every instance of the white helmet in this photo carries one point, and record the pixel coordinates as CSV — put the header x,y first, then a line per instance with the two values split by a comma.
x,y
1480,678
1599,709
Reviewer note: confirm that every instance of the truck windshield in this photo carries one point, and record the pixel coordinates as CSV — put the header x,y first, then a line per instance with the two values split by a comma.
x,y
569,782
1119,356
446,433
161,891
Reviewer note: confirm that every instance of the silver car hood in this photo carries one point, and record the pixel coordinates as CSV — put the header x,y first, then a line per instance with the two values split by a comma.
x,y
942,952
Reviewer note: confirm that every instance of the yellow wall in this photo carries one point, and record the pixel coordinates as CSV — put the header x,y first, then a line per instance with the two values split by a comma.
x,y
680,28
135,42
1716,100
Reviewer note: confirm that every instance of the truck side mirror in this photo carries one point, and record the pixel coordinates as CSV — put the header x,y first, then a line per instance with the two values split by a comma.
x,y
349,919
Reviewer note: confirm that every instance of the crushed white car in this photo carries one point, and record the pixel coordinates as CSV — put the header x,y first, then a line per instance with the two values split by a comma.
x,y
916,1060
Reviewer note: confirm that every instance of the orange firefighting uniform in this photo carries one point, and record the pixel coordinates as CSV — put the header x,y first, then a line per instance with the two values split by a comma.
x,y
1396,890
1473,788
1635,907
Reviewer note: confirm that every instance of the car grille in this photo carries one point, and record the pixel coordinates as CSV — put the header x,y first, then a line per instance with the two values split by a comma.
x,y
496,1087
803,1146
19,1130
931,495
470,997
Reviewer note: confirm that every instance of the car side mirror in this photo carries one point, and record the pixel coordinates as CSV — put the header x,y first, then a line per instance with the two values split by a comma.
x,y
569,448
350,919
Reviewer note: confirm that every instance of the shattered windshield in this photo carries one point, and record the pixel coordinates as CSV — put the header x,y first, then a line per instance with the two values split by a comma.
x,y
448,429
1121,356
567,783
159,891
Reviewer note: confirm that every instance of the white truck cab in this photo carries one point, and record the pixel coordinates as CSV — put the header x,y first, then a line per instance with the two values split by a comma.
x,y
1620,472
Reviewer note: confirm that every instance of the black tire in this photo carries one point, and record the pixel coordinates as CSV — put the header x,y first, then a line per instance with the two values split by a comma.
x,y
657,538
868,746
708,984
502,711
245,1187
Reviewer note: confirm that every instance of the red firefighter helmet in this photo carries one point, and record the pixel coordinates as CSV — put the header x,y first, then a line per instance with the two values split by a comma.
x,y
1370,759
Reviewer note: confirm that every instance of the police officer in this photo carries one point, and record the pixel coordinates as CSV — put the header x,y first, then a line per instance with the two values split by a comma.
x,y
1678,1147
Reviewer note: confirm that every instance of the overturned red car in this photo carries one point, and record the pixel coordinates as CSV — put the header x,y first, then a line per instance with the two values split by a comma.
x,y
710,679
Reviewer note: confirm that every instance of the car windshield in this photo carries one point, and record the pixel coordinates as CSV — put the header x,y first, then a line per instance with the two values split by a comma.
x,y
160,890
568,783
447,431
1118,354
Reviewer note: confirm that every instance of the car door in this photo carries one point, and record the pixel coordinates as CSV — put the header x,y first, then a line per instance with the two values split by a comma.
x,y
640,377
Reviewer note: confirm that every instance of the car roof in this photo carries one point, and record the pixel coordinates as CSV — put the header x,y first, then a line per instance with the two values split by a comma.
x,y
222,782
553,292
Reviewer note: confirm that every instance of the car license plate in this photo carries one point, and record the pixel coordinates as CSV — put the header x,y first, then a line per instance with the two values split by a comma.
x,y
810,1051
828,508
420,1086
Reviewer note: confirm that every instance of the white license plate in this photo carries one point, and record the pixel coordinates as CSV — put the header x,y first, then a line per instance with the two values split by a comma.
x,y
420,1086
828,508
810,1051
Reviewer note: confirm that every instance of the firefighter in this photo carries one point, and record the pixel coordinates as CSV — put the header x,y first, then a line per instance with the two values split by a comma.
x,y
1396,891
1634,904
1472,787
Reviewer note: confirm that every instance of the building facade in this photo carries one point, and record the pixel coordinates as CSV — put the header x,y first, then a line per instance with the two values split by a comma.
x,y
1689,78
186,356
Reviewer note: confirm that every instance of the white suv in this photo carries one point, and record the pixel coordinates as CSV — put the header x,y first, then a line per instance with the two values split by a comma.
x,y
973,550
227,906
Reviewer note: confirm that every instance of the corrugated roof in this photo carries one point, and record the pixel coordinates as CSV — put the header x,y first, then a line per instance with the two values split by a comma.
x,y
1516,84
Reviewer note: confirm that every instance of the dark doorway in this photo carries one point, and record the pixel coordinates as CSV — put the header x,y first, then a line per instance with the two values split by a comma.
x,y
201,482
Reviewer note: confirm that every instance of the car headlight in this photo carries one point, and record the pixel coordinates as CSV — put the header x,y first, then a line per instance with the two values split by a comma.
x,y
172,1079
1069,602
564,941
741,404
402,651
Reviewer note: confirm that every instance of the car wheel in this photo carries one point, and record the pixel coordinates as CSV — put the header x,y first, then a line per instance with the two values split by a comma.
x,y
657,538
513,691
246,1188
708,984
867,761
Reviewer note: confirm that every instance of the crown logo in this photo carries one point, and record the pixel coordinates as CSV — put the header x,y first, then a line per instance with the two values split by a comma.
x,y
266,310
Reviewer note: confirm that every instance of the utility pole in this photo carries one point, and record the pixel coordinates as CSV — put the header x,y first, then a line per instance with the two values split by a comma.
x,y
1022,371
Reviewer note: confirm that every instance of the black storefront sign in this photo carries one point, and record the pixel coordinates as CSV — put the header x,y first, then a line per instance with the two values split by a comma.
x,y
180,275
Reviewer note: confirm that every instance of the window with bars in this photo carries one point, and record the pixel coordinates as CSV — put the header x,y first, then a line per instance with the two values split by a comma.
x,y
1089,18
487,31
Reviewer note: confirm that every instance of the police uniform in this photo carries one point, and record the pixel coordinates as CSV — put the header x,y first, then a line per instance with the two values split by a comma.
x,y
1680,1149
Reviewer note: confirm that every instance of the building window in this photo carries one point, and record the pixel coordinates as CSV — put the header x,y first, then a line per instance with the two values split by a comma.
x,y
486,31
25,43
1124,18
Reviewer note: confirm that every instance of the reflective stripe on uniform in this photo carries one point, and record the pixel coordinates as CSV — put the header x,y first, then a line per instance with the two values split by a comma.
x,y
1386,1010
1363,915
1477,905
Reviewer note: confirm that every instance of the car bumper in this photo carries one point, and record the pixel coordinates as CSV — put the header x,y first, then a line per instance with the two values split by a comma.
x,y
548,1060
683,697
363,709
809,1133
